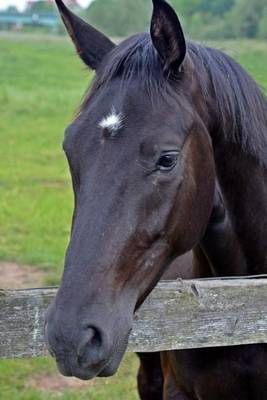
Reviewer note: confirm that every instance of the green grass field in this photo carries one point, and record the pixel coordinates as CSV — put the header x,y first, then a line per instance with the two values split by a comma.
x,y
41,84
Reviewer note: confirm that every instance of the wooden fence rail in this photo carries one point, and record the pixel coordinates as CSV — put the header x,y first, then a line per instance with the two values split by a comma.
x,y
177,315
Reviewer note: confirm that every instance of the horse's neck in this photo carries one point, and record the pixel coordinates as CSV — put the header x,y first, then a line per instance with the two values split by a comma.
x,y
220,244
235,242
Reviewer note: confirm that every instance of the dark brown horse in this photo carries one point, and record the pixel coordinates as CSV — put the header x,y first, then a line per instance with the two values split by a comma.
x,y
167,154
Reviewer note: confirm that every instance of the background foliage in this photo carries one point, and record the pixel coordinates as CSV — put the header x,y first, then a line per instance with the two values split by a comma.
x,y
205,19
201,19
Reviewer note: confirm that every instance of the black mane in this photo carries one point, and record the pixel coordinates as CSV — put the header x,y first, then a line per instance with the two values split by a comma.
x,y
241,107
134,59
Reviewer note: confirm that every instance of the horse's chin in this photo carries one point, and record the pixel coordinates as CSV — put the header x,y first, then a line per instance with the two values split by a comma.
x,y
109,370
112,366
88,374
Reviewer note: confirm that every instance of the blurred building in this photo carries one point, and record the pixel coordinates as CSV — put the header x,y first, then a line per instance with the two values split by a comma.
x,y
41,14
70,3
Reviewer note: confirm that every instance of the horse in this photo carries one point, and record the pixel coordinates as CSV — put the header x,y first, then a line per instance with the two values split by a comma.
x,y
167,154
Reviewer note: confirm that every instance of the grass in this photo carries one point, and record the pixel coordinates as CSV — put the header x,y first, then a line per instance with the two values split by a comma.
x,y
16,377
41,83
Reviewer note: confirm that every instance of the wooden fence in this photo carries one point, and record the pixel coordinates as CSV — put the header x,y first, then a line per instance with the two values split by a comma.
x,y
177,315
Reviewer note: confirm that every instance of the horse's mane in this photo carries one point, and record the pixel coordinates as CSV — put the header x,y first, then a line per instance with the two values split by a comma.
x,y
241,107
135,59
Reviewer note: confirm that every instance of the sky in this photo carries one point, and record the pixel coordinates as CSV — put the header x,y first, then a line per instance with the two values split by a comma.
x,y
20,4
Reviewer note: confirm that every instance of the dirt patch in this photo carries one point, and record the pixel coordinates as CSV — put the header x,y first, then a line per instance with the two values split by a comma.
x,y
57,383
15,276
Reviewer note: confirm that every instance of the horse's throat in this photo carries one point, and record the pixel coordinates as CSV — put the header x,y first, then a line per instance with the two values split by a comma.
x,y
235,240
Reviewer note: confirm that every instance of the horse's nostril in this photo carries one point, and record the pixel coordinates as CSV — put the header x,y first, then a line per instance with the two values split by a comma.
x,y
86,340
90,348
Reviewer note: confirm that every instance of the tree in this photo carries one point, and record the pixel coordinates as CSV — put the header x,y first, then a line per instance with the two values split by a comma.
x,y
12,10
245,17
119,17
262,32
218,7
186,8
41,6
204,19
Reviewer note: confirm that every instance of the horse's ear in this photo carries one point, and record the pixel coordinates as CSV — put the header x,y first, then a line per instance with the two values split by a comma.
x,y
167,36
91,45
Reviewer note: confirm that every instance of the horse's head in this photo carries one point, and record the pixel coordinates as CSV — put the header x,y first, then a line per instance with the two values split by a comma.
x,y
143,177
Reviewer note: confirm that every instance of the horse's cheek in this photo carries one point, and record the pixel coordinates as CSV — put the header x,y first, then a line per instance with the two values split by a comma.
x,y
195,199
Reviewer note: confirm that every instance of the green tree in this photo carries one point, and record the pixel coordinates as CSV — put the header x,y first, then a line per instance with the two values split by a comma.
x,y
119,17
262,32
12,10
218,7
245,17
190,7
41,7
203,19
187,8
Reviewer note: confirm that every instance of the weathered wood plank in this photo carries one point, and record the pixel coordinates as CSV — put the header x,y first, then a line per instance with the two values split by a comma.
x,y
177,315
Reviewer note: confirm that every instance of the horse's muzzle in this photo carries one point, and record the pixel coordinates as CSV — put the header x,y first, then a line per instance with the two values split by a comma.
x,y
82,351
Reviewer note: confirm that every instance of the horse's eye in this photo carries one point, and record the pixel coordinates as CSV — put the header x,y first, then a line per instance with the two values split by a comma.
x,y
167,161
